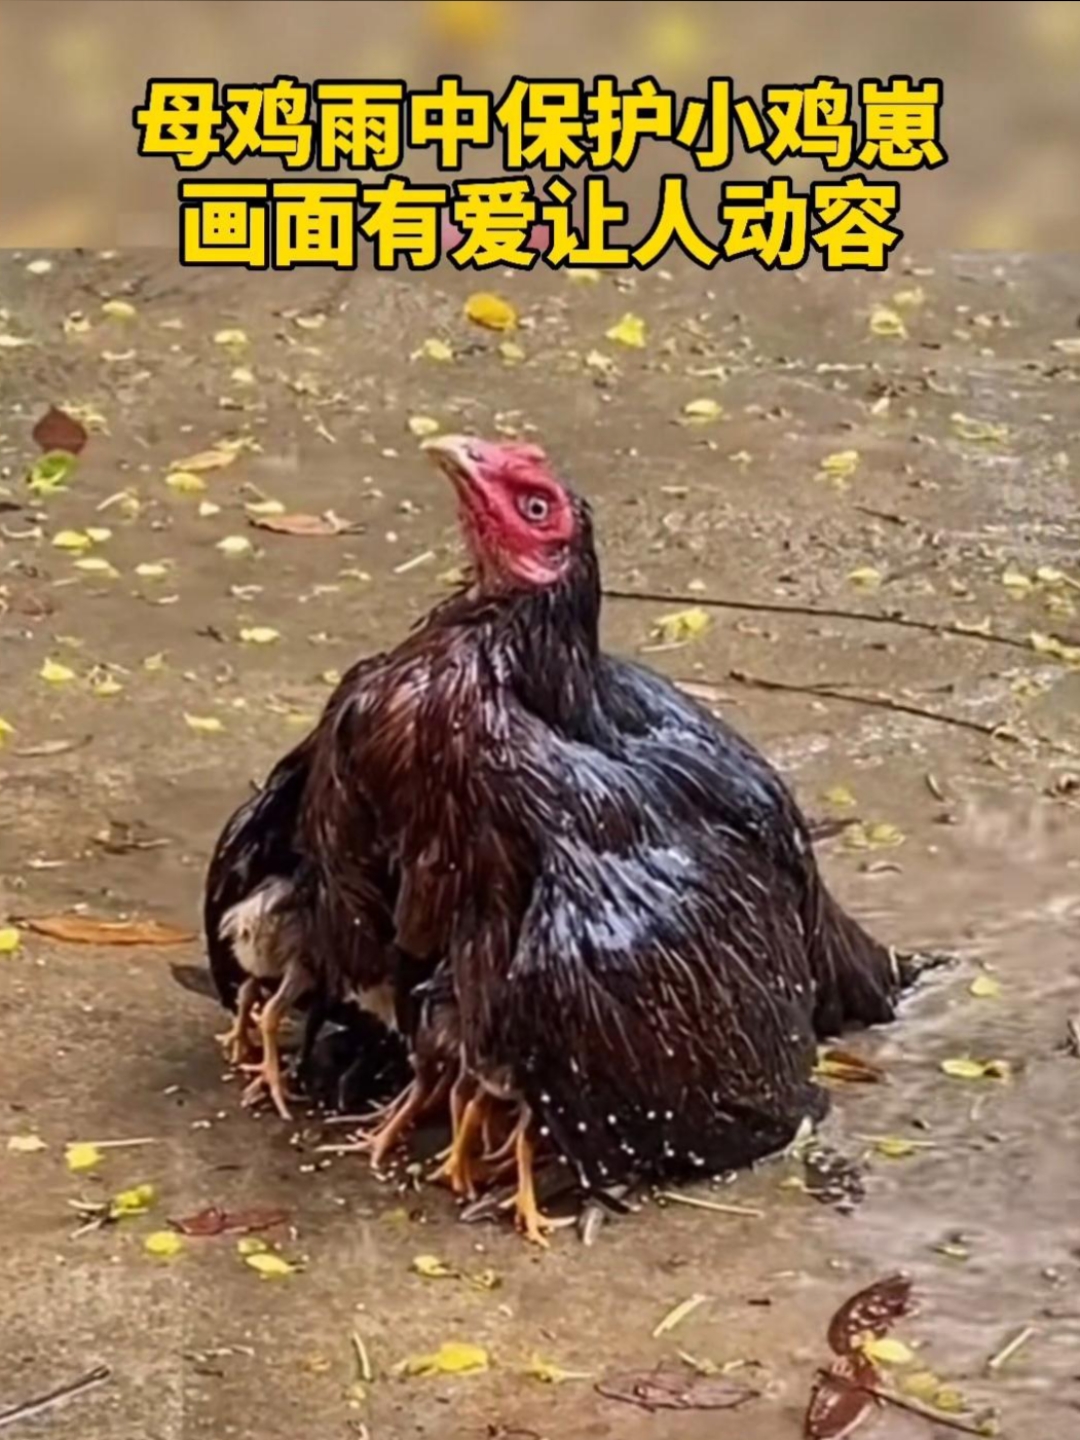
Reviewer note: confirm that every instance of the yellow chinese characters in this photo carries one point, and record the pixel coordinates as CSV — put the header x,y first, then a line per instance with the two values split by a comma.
x,y
260,226
855,231
496,217
449,118
403,223
767,221
270,120
900,124
181,118
361,122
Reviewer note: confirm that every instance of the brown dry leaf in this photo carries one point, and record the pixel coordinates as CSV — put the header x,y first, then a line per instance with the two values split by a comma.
x,y
838,1400
214,1221
305,525
835,1064
85,930
56,430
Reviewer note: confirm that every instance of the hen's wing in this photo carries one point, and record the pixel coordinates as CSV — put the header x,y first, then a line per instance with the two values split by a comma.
x,y
655,1014
710,771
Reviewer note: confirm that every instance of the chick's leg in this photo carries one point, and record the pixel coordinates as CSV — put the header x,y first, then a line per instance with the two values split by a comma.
x,y
529,1219
237,1040
401,1114
267,1074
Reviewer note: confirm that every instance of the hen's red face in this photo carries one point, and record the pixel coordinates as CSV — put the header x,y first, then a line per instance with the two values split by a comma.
x,y
519,521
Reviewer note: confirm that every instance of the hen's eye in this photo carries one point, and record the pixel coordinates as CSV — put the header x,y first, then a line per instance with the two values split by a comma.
x,y
534,508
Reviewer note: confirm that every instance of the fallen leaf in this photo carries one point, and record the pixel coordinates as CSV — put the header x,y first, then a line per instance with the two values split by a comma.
x,y
305,525
233,339
310,322
57,431
839,797
884,1350
14,342
49,473
432,1268
208,508
55,673
702,411
838,1400
136,1201
164,1244
678,1314
549,1374
5,731
85,930
270,1266
980,431
511,352
26,1144
215,1221
119,310
453,1357
490,311
265,507
887,324
435,349
98,534
870,1312
629,331
72,540
670,1390
97,565
964,1068
834,1064
234,545
82,1157
260,635
204,724
681,625
1017,582
185,482
894,1147
1069,346
423,425
1052,646
879,835
105,686
865,577
251,1246
10,940
985,987
841,462
217,458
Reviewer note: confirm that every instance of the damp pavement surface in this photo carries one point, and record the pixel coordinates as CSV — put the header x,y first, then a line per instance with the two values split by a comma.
x,y
953,381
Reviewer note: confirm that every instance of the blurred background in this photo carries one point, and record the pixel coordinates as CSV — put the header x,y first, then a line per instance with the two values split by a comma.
x,y
71,72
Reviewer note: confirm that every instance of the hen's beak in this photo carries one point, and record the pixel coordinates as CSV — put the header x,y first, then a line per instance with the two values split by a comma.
x,y
458,457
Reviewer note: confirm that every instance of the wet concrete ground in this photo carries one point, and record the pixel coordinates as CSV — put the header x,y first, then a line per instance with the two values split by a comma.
x,y
102,1044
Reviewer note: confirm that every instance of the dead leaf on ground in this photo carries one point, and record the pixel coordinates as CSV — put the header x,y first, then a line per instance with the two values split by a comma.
x,y
215,1221
549,1374
454,1357
873,1311
835,1064
50,473
56,430
674,1390
838,1400
306,525
85,930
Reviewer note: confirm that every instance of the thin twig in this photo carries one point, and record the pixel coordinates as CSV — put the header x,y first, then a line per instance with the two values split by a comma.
x,y
745,1210
97,1376
1008,1351
827,612
121,1144
880,702
363,1361
913,1407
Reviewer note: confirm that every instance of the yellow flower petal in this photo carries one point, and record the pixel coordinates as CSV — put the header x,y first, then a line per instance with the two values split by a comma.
x,y
72,540
119,310
270,1266
423,425
205,724
234,545
55,673
164,1244
260,635
82,1157
185,482
10,940
454,1357
26,1144
887,323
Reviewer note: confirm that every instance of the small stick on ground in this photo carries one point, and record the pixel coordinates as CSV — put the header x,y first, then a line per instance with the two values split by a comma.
x,y
1008,1351
363,1362
826,612
880,702
913,1407
746,1211
97,1376
121,1144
